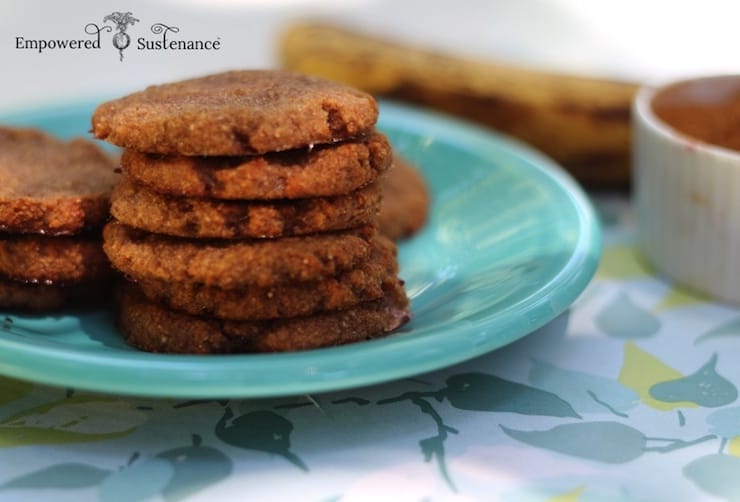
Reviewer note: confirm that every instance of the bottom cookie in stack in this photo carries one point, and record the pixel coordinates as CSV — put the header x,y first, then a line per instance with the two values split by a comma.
x,y
53,200
207,295
255,295
150,326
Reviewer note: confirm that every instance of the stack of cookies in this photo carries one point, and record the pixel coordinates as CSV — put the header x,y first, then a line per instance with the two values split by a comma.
x,y
245,218
54,200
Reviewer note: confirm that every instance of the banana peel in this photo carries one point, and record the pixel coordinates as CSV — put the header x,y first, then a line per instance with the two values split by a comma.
x,y
581,123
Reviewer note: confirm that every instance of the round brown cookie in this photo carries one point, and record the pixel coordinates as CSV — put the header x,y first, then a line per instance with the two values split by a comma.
x,y
41,297
36,258
405,205
233,264
52,187
140,207
236,113
318,172
361,284
152,327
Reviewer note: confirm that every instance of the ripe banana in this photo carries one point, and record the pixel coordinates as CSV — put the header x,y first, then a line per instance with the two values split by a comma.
x,y
582,123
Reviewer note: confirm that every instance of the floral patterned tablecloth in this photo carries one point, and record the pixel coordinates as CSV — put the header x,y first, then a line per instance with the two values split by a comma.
x,y
629,395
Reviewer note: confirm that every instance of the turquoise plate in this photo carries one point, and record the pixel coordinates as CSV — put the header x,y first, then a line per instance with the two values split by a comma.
x,y
510,244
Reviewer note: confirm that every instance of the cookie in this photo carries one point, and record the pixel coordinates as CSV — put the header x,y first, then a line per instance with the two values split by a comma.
x,y
42,297
42,259
50,186
236,113
405,206
317,172
294,299
140,207
234,264
154,328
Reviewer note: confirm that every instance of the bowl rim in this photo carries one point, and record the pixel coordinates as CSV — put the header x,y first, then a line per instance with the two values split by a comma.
x,y
642,109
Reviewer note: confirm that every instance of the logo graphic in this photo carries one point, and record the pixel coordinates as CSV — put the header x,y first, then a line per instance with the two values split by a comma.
x,y
167,38
121,40
162,29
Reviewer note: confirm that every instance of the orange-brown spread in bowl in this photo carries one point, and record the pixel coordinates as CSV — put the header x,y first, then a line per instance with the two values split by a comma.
x,y
704,109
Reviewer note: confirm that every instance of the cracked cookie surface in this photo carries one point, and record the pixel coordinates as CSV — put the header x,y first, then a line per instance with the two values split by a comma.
x,y
363,283
49,186
319,172
236,113
199,217
42,259
232,264
154,328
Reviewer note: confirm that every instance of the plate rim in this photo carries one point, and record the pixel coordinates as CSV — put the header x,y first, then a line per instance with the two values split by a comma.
x,y
550,301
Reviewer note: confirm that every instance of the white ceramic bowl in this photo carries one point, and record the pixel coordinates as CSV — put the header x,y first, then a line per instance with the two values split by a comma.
x,y
687,201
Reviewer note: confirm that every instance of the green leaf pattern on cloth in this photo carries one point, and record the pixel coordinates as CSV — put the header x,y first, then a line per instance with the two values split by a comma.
x,y
641,371
59,476
622,318
71,420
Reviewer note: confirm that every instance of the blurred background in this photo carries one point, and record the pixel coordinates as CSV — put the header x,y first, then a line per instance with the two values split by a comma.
x,y
642,41
462,58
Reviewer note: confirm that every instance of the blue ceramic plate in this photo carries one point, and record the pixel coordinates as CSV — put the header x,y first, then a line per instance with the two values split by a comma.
x,y
510,244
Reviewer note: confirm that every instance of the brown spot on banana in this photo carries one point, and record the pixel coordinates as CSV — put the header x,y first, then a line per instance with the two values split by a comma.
x,y
582,123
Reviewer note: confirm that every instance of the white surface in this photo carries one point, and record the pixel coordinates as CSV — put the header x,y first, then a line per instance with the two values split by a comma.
x,y
637,40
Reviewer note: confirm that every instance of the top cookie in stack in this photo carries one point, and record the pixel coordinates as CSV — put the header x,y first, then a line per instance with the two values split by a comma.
x,y
245,219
